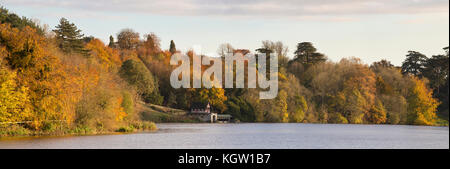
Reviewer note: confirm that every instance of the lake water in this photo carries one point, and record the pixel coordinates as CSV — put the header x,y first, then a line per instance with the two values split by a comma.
x,y
253,136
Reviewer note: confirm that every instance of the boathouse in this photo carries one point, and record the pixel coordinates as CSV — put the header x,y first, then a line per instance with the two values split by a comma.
x,y
205,112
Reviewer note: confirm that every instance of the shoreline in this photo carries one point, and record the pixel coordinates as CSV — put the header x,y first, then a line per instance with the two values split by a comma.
x,y
117,132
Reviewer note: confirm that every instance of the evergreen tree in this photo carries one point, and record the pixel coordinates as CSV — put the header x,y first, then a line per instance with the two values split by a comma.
x,y
172,100
172,49
69,37
17,21
307,54
111,41
436,70
414,63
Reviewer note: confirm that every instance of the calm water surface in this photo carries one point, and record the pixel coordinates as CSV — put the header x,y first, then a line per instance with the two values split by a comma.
x,y
253,135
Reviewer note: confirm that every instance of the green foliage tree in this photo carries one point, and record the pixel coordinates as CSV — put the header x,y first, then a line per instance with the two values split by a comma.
x,y
377,113
337,118
436,70
172,100
396,108
172,48
240,109
352,105
137,75
307,54
18,22
299,114
111,44
414,63
182,100
69,37
127,102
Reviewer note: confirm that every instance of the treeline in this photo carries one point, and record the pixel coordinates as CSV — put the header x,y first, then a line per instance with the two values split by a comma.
x,y
61,80
315,90
311,89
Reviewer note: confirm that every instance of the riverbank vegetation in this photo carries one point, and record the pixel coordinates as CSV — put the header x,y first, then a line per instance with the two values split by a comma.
x,y
61,81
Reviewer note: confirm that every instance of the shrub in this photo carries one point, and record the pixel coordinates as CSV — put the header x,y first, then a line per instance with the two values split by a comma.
x,y
14,130
138,76
337,118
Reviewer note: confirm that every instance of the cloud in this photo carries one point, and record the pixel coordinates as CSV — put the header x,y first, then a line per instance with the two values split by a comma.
x,y
249,8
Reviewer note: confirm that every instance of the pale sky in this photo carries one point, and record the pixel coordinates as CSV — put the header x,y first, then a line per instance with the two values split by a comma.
x,y
369,29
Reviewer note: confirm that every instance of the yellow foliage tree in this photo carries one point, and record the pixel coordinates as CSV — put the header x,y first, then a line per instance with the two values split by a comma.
x,y
281,106
421,105
13,99
215,96
107,57
299,113
377,113
39,70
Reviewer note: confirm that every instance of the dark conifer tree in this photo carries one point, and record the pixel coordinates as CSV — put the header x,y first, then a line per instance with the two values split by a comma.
x,y
69,37
111,42
307,54
172,49
414,63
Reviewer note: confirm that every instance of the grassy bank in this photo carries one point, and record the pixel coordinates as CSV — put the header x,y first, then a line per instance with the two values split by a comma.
x,y
149,114
58,130
161,114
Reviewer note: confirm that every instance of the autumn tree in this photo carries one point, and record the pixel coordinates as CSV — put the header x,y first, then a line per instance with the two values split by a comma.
x,y
128,39
108,58
38,69
396,108
215,96
224,49
13,99
381,64
377,113
149,49
301,107
383,87
421,105
279,109
279,49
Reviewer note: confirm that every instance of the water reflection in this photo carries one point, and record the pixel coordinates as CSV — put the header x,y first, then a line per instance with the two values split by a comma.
x,y
253,135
